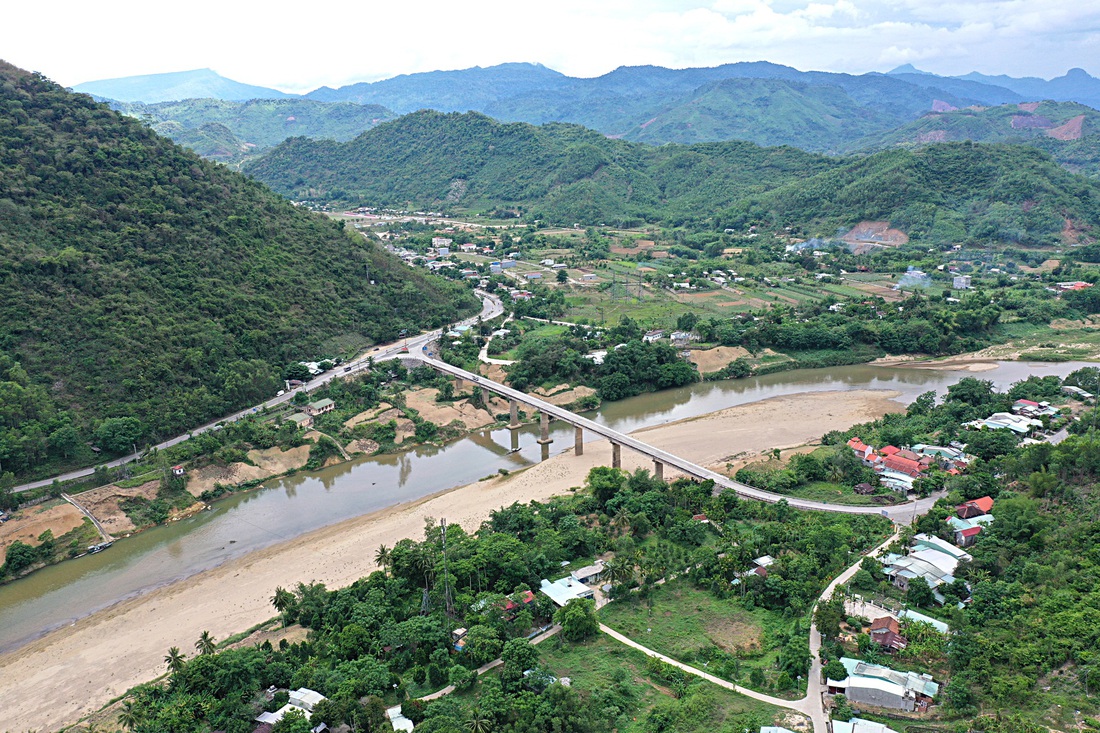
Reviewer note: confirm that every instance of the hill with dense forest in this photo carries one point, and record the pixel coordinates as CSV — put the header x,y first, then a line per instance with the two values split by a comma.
x,y
566,174
144,290
1070,132
228,131
942,193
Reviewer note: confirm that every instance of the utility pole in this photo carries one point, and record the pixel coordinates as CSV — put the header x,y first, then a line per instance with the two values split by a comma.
x,y
447,601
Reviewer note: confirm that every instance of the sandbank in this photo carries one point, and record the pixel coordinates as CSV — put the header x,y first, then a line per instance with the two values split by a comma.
x,y
73,671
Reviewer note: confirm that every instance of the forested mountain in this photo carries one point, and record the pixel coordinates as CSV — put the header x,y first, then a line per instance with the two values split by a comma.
x,y
228,131
1070,132
144,290
762,102
152,88
566,174
954,192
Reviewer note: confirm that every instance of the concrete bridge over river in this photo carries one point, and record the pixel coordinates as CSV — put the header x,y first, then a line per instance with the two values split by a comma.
x,y
901,513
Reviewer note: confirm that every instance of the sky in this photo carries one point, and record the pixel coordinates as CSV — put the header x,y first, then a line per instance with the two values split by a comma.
x,y
306,45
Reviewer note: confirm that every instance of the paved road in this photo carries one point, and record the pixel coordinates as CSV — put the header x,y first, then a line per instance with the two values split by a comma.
x,y
491,308
902,513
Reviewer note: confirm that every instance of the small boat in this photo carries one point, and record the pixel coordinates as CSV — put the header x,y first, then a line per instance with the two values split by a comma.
x,y
93,549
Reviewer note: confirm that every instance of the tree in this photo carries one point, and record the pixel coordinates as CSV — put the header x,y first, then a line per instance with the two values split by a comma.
x,y
478,722
563,276
284,602
919,593
834,670
19,556
118,434
482,644
129,717
206,643
519,655
294,721
578,619
383,557
297,371
174,659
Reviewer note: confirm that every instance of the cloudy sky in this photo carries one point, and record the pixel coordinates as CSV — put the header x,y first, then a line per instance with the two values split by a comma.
x,y
337,42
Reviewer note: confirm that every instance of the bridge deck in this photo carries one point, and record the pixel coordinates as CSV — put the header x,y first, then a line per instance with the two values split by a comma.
x,y
894,512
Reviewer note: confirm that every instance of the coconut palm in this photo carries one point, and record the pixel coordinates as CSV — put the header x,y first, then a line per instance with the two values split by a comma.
x,y
284,601
479,722
174,659
129,718
383,556
206,643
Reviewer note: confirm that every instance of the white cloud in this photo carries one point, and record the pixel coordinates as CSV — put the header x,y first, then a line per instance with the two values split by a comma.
x,y
343,41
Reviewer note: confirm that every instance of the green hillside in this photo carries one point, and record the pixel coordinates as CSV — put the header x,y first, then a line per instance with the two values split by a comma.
x,y
230,131
766,112
1069,132
949,192
563,173
567,174
139,281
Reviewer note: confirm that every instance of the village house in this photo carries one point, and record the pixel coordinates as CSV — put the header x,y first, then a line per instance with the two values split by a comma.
x,y
177,470
302,700
872,684
1032,409
320,407
590,573
652,336
974,508
859,725
886,632
563,590
301,420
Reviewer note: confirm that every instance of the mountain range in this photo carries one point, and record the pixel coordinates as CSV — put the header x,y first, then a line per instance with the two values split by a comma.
x,y
566,174
761,102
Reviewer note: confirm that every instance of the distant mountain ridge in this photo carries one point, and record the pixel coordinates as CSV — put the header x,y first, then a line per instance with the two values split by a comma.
x,y
174,86
1076,85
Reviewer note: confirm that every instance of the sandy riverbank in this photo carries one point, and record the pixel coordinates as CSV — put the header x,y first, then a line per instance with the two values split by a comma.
x,y
73,671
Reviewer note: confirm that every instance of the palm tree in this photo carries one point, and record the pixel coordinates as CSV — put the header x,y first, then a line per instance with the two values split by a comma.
x,y
383,557
621,520
129,717
174,659
479,722
283,600
206,643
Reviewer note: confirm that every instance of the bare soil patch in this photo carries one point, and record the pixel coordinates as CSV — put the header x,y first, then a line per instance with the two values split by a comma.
x,y
103,503
444,413
368,415
1070,130
734,634
362,446
27,524
878,232
711,360
269,462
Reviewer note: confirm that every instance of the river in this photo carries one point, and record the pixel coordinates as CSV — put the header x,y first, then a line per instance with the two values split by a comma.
x,y
289,507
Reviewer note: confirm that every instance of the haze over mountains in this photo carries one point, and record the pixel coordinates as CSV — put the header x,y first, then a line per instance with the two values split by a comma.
x,y
760,102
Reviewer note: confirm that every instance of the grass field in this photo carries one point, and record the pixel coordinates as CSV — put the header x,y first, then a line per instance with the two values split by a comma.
x,y
608,673
696,627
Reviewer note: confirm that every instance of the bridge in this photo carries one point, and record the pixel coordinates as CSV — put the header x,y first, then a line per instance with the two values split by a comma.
x,y
901,513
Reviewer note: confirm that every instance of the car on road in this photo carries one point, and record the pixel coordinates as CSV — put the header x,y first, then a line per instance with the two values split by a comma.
x,y
475,378
347,369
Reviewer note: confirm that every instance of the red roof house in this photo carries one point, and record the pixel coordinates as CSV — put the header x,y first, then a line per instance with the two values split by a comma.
x,y
889,450
902,465
975,508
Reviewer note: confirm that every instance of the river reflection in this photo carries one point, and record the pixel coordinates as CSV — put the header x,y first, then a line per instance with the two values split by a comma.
x,y
292,506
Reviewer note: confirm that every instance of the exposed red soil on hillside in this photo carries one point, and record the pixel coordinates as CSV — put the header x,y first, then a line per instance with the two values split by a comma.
x,y
878,232
1071,130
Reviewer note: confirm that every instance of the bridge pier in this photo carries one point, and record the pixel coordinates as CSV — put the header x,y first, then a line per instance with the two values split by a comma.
x,y
459,384
513,414
658,470
616,455
544,428
578,441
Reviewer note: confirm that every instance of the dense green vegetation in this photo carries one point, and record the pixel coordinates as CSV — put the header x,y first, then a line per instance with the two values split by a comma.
x,y
387,638
566,174
146,290
231,131
21,558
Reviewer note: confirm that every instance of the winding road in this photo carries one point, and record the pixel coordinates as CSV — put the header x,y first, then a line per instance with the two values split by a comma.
x,y
491,307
